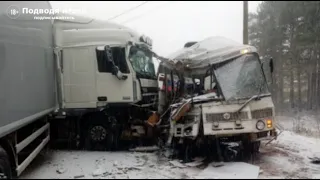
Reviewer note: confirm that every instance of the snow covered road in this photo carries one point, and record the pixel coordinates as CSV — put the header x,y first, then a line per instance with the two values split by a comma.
x,y
288,157
285,158
94,165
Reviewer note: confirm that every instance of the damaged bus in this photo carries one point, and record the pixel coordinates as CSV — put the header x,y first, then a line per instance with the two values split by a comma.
x,y
229,111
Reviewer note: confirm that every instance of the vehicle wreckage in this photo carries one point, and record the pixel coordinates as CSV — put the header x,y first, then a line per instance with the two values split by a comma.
x,y
218,101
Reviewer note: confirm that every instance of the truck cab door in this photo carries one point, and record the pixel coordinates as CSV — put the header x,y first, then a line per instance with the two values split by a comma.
x,y
110,87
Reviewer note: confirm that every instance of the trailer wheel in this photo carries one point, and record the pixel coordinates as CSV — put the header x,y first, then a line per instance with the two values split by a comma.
x,y
5,166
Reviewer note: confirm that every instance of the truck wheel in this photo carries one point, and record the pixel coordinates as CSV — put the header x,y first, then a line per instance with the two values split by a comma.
x,y
5,166
97,135
102,134
96,132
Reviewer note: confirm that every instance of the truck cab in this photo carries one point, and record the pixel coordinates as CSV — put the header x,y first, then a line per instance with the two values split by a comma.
x,y
105,73
87,80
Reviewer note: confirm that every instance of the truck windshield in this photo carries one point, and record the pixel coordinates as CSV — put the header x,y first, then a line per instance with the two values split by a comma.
x,y
242,78
142,61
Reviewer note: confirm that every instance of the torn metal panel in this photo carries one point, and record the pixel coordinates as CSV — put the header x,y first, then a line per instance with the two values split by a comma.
x,y
181,111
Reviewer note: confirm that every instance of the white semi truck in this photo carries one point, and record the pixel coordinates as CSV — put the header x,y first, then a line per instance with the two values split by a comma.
x,y
94,81
107,83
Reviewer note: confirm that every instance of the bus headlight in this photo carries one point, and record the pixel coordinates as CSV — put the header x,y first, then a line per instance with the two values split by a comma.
x,y
269,123
260,125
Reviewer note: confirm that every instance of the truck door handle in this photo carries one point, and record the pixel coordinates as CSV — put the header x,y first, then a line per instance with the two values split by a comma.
x,y
102,98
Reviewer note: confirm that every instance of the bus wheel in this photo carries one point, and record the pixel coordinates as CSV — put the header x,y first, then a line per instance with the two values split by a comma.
x,y
5,166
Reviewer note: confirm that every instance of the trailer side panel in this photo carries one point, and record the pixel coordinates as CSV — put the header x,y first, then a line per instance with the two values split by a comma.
x,y
27,82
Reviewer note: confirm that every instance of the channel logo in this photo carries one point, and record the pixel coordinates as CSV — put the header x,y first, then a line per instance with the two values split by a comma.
x,y
13,12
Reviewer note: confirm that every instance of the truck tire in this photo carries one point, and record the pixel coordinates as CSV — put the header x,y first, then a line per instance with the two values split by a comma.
x,y
100,134
5,166
101,143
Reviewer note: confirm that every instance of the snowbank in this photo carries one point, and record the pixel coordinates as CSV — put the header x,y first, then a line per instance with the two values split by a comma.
x,y
288,157
304,124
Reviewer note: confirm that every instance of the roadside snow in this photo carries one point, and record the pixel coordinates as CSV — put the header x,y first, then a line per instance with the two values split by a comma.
x,y
316,176
304,124
288,157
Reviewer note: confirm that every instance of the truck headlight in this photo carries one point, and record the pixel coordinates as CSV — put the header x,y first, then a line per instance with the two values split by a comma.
x,y
260,125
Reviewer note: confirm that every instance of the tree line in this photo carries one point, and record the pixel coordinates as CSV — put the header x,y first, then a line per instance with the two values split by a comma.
x,y
289,33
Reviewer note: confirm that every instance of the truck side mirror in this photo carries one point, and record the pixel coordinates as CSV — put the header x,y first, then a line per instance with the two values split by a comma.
x,y
115,69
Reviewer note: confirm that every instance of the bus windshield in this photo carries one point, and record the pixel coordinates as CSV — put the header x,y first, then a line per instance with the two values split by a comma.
x,y
242,78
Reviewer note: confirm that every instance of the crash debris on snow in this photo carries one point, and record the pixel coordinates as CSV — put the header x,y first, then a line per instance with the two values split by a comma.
x,y
196,163
177,164
145,149
315,160
79,176
217,164
61,170
99,172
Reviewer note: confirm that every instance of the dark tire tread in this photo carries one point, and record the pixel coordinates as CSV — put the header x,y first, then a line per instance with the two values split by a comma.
x,y
5,165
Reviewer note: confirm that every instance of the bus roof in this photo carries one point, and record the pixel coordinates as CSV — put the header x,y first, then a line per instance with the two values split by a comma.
x,y
212,50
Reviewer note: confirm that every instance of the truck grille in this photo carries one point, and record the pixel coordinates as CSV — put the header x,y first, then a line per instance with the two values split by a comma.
x,y
233,116
261,113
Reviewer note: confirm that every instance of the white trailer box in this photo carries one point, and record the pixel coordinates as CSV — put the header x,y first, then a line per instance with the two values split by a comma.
x,y
27,82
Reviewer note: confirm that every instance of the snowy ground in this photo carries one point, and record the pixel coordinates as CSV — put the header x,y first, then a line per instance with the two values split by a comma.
x,y
286,157
301,123
105,165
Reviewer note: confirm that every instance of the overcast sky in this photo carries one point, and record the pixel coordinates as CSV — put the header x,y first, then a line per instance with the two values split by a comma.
x,y
170,24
